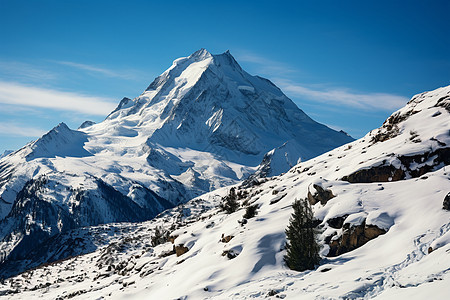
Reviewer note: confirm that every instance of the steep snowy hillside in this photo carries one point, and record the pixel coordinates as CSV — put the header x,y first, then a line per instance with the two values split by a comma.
x,y
203,124
382,210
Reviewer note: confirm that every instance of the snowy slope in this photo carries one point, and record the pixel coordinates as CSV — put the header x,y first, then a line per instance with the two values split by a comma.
x,y
387,187
203,124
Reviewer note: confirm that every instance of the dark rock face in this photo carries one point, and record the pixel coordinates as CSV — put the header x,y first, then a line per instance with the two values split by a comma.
x,y
337,222
444,102
385,173
390,129
321,195
446,204
376,174
353,237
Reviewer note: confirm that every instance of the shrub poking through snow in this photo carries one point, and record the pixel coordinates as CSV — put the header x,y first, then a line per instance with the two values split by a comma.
x,y
229,202
302,248
161,236
251,211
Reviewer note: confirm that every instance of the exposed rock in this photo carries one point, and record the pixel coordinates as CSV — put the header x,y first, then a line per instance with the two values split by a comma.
x,y
427,162
242,222
328,239
252,181
353,237
230,254
337,222
446,204
321,195
390,126
168,253
444,102
226,239
180,249
172,238
376,174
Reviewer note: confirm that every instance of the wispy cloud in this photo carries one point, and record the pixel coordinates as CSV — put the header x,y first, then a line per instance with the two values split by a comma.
x,y
124,74
15,70
24,95
8,129
283,75
266,66
343,96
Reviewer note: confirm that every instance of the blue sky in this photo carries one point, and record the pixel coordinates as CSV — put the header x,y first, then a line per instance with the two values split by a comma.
x,y
348,64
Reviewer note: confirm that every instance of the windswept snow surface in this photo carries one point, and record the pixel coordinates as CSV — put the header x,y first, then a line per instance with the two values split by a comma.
x,y
410,261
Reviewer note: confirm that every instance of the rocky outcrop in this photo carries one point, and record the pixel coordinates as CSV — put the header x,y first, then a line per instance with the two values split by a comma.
x,y
230,254
180,249
412,166
321,195
226,239
376,174
353,237
446,204
337,222
444,102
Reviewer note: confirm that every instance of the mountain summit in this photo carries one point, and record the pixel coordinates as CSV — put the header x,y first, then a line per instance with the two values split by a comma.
x,y
209,101
202,124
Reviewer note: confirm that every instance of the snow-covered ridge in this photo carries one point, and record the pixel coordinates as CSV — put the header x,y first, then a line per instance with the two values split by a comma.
x,y
400,229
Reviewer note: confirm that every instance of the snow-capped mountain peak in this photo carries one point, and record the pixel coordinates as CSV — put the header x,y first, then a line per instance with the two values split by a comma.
x,y
207,100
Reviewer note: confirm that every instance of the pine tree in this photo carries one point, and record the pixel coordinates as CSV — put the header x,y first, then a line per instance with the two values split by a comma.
x,y
229,202
302,248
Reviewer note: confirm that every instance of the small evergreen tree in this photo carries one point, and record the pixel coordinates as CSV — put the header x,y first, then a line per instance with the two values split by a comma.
x,y
302,248
229,202
251,211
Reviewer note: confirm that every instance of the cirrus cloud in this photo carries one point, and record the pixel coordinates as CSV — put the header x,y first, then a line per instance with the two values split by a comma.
x,y
343,96
14,93
8,129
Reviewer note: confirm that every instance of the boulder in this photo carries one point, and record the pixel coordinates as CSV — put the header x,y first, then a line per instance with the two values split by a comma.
x,y
321,195
446,204
337,222
353,237
226,239
180,249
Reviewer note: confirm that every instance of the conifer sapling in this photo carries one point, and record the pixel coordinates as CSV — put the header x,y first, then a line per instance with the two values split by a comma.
x,y
302,248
